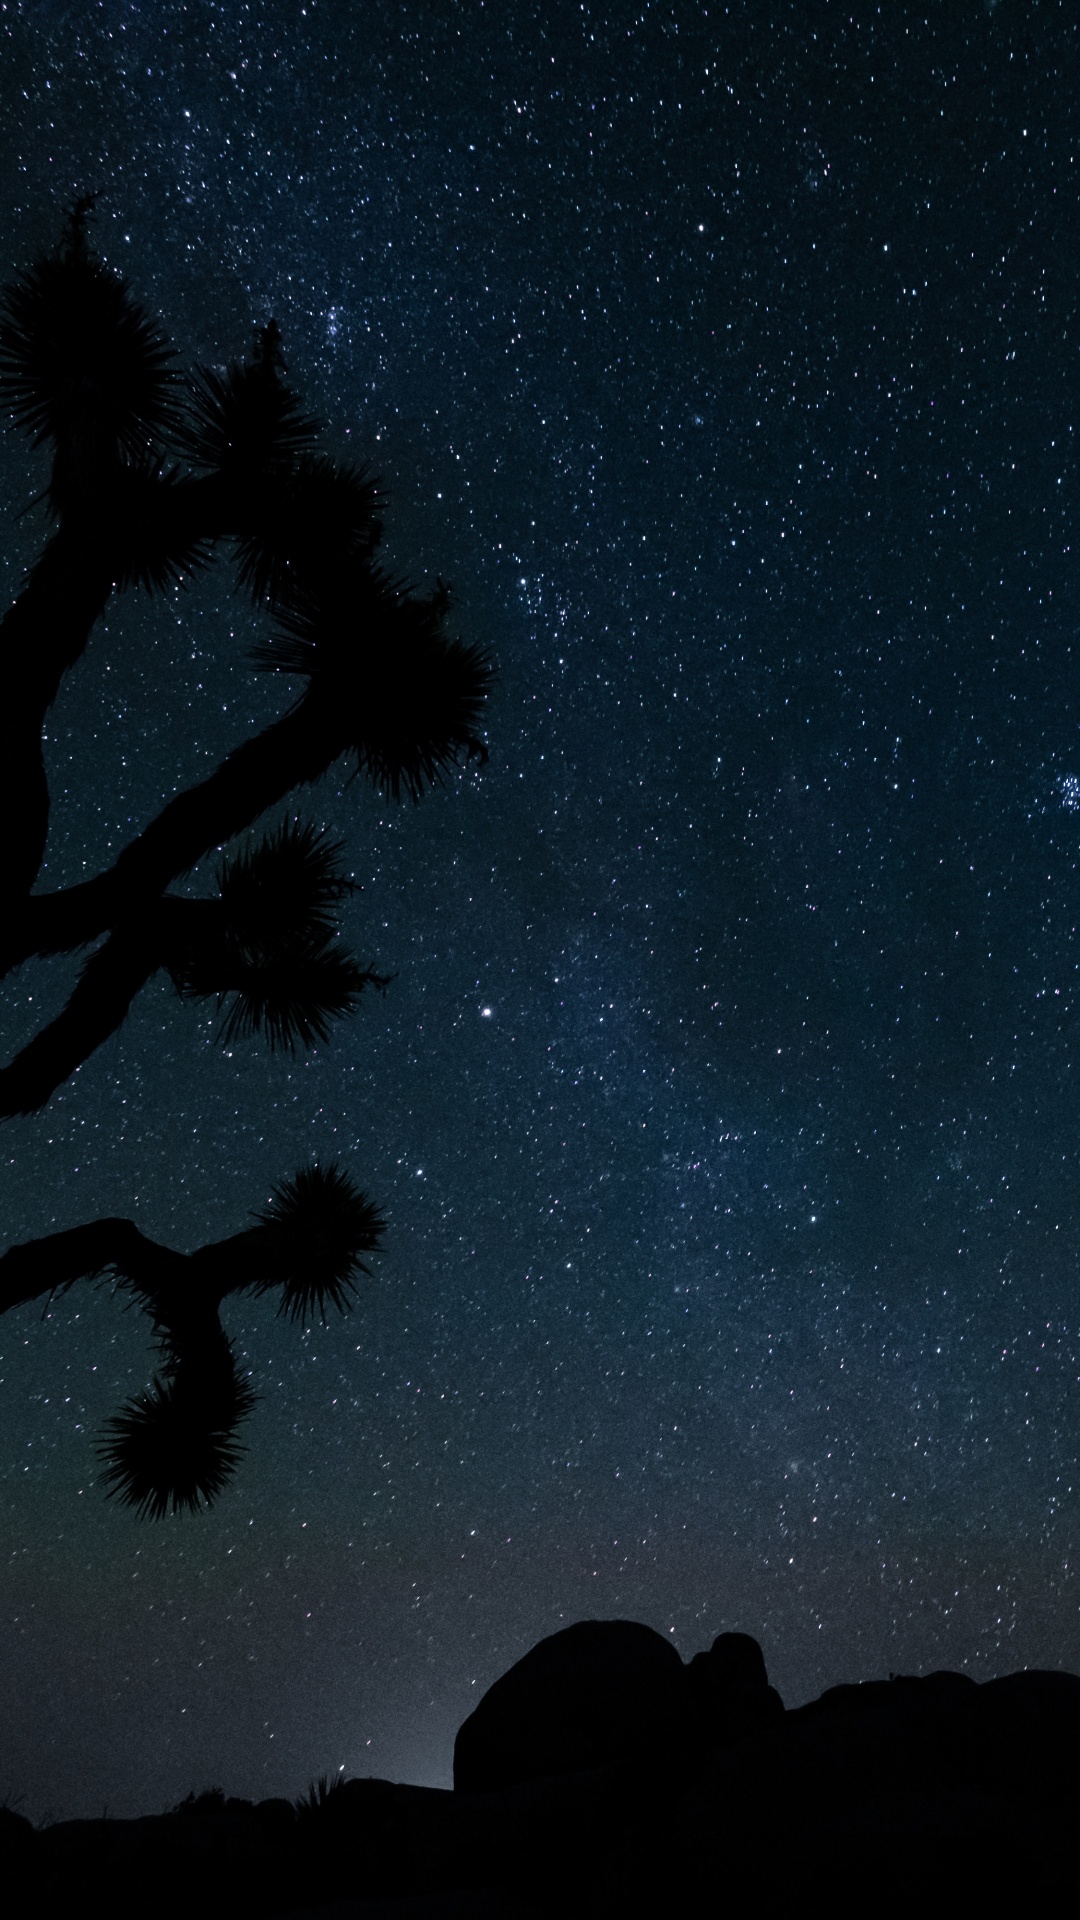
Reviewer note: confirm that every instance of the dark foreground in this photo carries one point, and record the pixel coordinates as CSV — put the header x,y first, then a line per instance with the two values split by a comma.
x,y
902,1795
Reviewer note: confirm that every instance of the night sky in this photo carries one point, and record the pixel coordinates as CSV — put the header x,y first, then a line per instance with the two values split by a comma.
x,y
723,1105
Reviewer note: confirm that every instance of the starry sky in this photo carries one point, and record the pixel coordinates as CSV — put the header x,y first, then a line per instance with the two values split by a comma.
x,y
723,1105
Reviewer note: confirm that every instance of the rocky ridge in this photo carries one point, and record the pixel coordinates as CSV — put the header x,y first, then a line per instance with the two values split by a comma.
x,y
603,1776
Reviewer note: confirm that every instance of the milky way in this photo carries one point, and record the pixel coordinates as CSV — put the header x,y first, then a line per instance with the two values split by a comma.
x,y
722,1104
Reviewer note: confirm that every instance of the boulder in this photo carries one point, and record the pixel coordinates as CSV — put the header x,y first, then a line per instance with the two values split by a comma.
x,y
729,1691
733,1660
597,1692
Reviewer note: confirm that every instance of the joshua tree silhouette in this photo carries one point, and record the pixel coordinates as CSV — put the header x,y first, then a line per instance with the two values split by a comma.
x,y
150,474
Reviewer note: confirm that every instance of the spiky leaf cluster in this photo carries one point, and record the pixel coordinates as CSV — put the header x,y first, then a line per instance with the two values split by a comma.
x,y
321,1793
291,878
307,524
317,1226
80,360
246,424
291,995
394,687
175,1446
276,950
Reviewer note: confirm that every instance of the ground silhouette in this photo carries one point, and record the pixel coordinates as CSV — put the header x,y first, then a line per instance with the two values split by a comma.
x,y
928,1794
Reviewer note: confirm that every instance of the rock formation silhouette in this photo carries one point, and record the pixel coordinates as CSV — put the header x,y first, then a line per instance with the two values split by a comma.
x,y
594,1693
910,1795
582,1698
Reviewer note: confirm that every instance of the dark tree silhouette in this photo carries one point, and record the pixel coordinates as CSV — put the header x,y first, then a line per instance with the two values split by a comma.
x,y
175,1445
150,476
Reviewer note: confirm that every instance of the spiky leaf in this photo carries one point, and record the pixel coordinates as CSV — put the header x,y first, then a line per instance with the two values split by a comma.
x,y
307,523
81,364
319,1223
284,886
401,694
175,1445
291,994
273,947
246,423
318,1794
